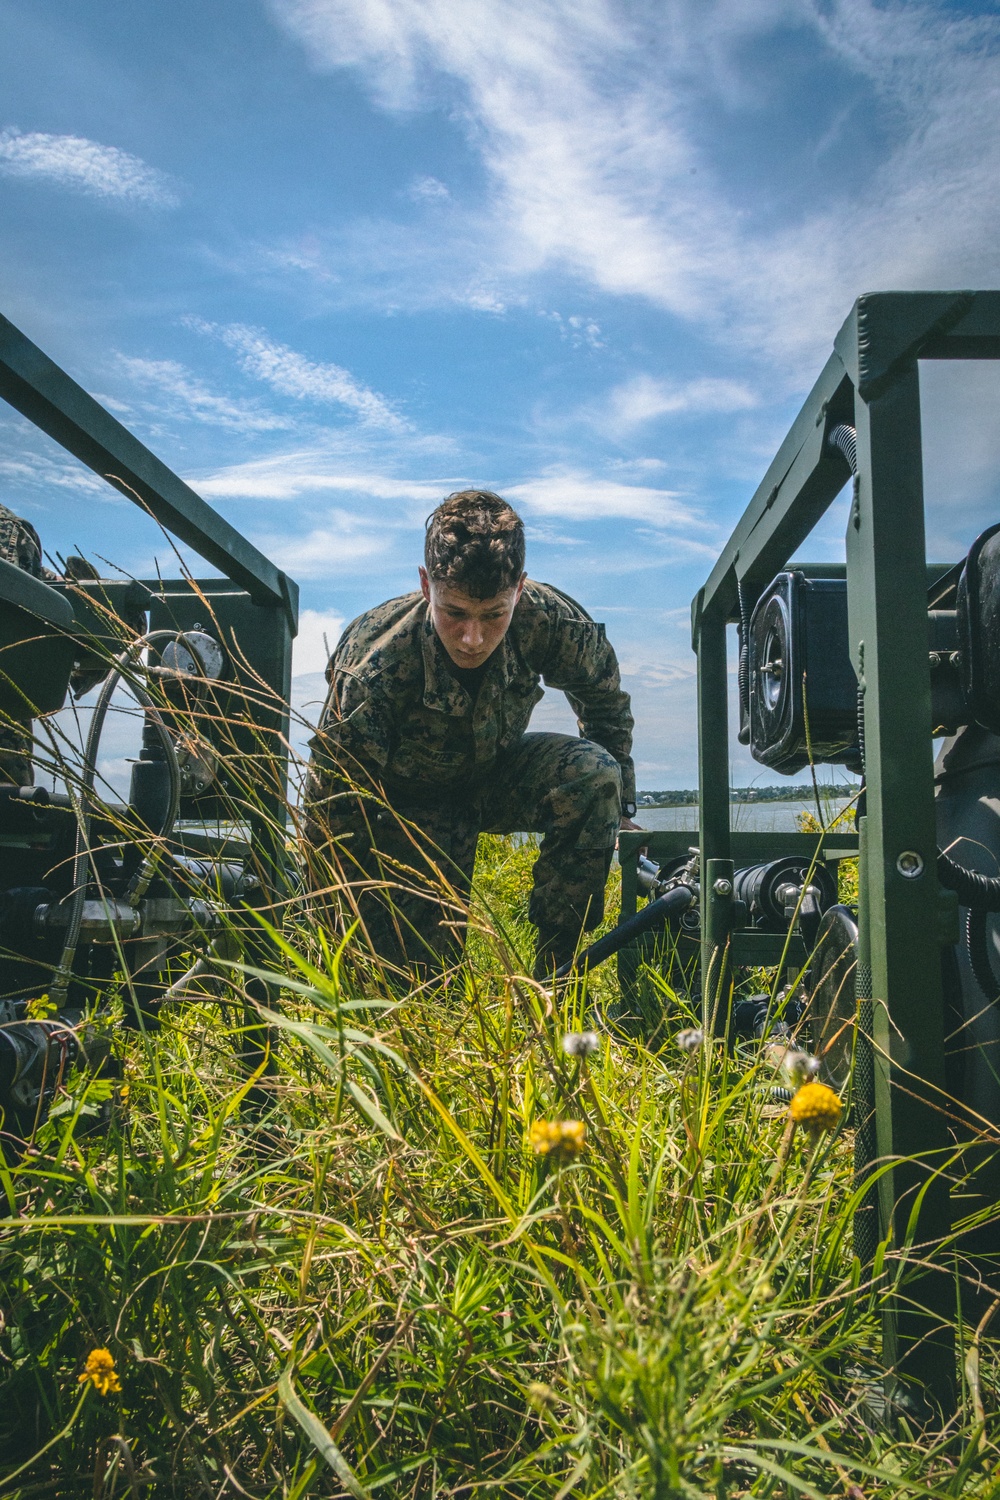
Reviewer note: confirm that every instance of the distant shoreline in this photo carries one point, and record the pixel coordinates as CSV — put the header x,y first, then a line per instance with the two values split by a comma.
x,y
800,793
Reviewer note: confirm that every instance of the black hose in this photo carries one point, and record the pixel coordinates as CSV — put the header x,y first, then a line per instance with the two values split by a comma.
x,y
977,943
743,678
981,892
655,914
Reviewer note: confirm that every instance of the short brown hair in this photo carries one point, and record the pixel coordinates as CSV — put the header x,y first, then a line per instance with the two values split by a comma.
x,y
475,542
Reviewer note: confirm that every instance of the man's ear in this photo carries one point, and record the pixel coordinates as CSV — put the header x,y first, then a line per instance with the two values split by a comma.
x,y
425,583
520,586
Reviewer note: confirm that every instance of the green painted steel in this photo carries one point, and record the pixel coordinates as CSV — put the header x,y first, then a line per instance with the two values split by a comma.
x,y
871,382
46,395
257,618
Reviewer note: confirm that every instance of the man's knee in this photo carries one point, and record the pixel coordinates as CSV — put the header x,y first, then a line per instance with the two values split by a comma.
x,y
602,771
590,787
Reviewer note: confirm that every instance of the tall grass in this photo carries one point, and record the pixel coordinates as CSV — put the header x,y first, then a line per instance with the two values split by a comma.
x,y
348,1272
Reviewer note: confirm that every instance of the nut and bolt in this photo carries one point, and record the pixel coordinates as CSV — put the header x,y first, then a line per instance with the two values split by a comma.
x,y
723,887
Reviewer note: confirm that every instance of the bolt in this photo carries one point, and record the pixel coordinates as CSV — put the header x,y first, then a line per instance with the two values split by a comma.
x,y
723,887
910,864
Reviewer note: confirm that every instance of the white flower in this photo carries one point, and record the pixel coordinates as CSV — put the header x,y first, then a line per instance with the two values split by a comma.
x,y
580,1043
799,1067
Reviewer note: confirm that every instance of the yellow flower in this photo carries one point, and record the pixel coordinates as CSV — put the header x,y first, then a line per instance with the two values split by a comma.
x,y
566,1137
100,1371
541,1396
816,1107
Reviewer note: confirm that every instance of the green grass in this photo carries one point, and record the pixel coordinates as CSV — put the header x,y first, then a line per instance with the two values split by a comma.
x,y
352,1275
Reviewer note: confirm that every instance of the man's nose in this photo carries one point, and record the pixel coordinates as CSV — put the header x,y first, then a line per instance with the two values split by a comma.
x,y
472,635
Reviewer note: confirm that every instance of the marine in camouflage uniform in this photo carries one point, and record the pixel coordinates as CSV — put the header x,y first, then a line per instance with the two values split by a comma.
x,y
20,545
409,766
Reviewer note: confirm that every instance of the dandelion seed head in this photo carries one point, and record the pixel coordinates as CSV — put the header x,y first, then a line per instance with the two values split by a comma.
x,y
580,1043
799,1067
690,1040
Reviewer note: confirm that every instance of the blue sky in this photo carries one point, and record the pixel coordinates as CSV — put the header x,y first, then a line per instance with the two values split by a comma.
x,y
334,258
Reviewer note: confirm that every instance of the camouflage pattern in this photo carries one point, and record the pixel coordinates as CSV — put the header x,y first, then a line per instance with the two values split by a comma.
x,y
20,545
407,770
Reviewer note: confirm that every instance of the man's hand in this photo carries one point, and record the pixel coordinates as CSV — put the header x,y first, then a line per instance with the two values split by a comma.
x,y
628,826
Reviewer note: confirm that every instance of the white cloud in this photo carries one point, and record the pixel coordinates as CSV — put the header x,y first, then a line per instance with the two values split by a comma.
x,y
644,397
181,394
319,632
343,540
580,497
39,471
292,374
576,329
313,471
587,115
73,161
428,190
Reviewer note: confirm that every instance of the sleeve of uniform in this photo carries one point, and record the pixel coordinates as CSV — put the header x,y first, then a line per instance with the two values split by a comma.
x,y
580,661
356,730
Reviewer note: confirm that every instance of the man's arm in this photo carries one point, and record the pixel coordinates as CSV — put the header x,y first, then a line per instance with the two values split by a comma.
x,y
582,663
352,744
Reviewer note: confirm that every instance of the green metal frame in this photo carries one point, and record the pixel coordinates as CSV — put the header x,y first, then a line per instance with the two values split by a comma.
x,y
256,604
870,382
745,946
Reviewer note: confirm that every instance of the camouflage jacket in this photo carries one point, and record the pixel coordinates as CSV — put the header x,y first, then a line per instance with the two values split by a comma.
x,y
19,544
396,716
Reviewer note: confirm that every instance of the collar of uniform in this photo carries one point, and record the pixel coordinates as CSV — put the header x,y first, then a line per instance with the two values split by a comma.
x,y
444,692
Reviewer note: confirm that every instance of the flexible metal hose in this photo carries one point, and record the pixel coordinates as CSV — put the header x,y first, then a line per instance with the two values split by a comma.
x,y
743,678
846,439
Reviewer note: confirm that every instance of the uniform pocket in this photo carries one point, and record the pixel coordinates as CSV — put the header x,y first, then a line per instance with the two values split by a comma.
x,y
416,762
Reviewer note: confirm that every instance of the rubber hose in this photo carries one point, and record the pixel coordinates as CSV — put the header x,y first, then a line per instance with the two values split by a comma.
x,y
980,892
977,943
655,914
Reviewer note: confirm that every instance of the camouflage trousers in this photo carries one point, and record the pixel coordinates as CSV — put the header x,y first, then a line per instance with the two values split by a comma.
x,y
409,867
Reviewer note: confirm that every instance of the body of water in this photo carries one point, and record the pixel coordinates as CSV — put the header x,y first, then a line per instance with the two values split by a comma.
x,y
745,817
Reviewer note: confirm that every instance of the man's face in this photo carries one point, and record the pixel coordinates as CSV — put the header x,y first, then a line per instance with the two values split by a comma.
x,y
469,629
